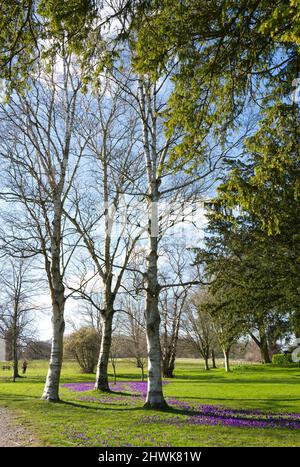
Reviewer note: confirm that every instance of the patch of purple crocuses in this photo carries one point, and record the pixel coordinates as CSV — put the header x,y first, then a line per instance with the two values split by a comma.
x,y
194,414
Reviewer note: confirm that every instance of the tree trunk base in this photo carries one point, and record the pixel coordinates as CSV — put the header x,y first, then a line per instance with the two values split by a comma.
x,y
102,388
17,376
168,374
50,399
156,405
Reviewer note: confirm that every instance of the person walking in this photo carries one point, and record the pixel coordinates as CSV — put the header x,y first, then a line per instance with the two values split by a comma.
x,y
24,367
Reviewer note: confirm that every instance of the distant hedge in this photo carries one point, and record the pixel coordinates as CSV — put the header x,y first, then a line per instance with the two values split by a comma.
x,y
84,345
281,359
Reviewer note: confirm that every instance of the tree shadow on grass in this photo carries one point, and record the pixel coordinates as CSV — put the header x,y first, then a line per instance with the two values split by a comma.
x,y
16,397
215,379
112,392
98,392
236,398
23,379
240,414
98,408
269,405
122,393
219,415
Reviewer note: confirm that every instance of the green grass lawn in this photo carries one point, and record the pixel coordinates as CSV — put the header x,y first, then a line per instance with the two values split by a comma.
x,y
94,419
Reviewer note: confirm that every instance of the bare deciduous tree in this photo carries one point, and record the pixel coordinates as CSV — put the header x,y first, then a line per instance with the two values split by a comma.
x,y
134,327
177,270
18,291
165,194
41,153
199,328
107,209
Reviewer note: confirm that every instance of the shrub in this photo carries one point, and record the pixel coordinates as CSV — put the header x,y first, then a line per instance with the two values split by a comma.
x,y
282,359
84,345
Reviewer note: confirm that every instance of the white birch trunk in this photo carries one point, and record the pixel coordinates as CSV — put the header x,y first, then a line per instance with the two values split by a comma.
x,y
101,383
51,389
226,359
155,398
102,366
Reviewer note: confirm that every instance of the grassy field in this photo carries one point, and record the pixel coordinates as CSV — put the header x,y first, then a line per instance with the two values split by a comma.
x,y
252,397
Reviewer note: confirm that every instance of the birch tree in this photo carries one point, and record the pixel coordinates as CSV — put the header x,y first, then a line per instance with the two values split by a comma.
x,y
107,209
40,155
166,195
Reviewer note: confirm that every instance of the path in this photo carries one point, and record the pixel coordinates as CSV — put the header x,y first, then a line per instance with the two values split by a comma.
x,y
12,433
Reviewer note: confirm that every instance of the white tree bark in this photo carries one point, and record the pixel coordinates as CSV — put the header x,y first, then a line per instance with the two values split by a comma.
x,y
115,171
155,398
51,388
158,185
102,366
226,359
